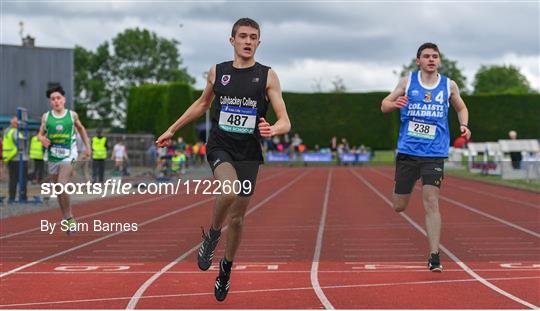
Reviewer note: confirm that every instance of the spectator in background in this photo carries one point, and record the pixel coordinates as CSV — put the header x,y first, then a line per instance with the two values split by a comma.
x,y
162,164
10,156
189,154
296,141
180,144
119,155
286,141
275,142
195,153
202,153
362,149
99,155
152,154
280,147
36,154
178,162
515,156
333,144
345,144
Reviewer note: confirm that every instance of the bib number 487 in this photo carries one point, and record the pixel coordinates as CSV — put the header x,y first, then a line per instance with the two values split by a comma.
x,y
237,120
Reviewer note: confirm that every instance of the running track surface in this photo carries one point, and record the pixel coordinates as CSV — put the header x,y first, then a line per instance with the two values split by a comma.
x,y
313,238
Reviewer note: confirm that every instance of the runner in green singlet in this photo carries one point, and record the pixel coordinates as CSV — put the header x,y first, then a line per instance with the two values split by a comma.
x,y
57,134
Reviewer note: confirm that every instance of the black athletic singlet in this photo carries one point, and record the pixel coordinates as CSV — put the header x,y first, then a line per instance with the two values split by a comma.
x,y
240,100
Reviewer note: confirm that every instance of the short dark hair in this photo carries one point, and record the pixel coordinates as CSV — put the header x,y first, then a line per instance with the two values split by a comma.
x,y
427,45
56,88
245,21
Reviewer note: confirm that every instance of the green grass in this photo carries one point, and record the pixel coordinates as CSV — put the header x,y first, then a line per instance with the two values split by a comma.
x,y
533,185
383,157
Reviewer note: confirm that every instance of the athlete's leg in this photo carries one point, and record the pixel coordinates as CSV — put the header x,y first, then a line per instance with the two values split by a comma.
x,y
433,216
237,212
64,175
246,172
432,176
225,172
407,172
400,202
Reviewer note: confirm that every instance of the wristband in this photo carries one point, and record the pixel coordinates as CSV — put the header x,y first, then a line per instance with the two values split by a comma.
x,y
465,125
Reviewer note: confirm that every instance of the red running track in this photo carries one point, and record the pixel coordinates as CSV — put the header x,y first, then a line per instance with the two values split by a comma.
x,y
314,238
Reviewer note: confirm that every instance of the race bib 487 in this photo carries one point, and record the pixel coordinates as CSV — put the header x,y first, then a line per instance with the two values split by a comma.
x,y
237,119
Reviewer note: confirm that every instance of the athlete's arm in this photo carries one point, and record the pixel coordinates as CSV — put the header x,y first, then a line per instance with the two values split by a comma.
x,y
197,109
463,113
283,124
396,99
82,131
41,134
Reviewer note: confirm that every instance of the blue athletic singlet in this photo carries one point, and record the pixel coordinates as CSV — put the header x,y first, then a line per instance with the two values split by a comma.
x,y
424,121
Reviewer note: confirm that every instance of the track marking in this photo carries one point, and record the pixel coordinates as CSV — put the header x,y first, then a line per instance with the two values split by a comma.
x,y
110,235
140,291
263,291
318,246
188,207
474,210
354,270
536,206
446,250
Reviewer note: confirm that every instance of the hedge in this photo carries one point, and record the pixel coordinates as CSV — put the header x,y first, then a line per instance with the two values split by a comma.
x,y
153,108
356,116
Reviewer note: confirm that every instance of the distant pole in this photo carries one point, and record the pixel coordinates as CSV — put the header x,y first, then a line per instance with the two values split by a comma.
x,y
22,125
207,114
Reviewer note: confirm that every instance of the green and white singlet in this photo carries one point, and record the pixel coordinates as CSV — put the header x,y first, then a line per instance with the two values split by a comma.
x,y
61,133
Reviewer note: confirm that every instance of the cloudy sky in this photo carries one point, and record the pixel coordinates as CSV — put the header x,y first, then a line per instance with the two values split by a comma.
x,y
306,42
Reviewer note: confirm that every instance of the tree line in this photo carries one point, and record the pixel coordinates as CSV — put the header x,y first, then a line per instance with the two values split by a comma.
x,y
136,56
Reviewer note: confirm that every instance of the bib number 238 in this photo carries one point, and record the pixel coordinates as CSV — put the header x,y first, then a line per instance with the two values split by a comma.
x,y
422,130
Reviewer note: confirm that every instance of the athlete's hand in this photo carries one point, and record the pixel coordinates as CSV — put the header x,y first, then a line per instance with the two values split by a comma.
x,y
265,128
44,141
87,153
465,132
401,102
164,139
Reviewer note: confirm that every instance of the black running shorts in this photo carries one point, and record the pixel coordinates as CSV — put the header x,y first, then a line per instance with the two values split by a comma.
x,y
410,168
245,170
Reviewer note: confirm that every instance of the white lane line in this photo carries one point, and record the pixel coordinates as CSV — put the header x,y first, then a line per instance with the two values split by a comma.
x,y
140,291
110,235
318,246
536,206
356,270
264,291
146,250
116,257
474,210
446,250
113,234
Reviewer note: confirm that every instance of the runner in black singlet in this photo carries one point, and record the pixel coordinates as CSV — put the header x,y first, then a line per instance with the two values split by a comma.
x,y
242,90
